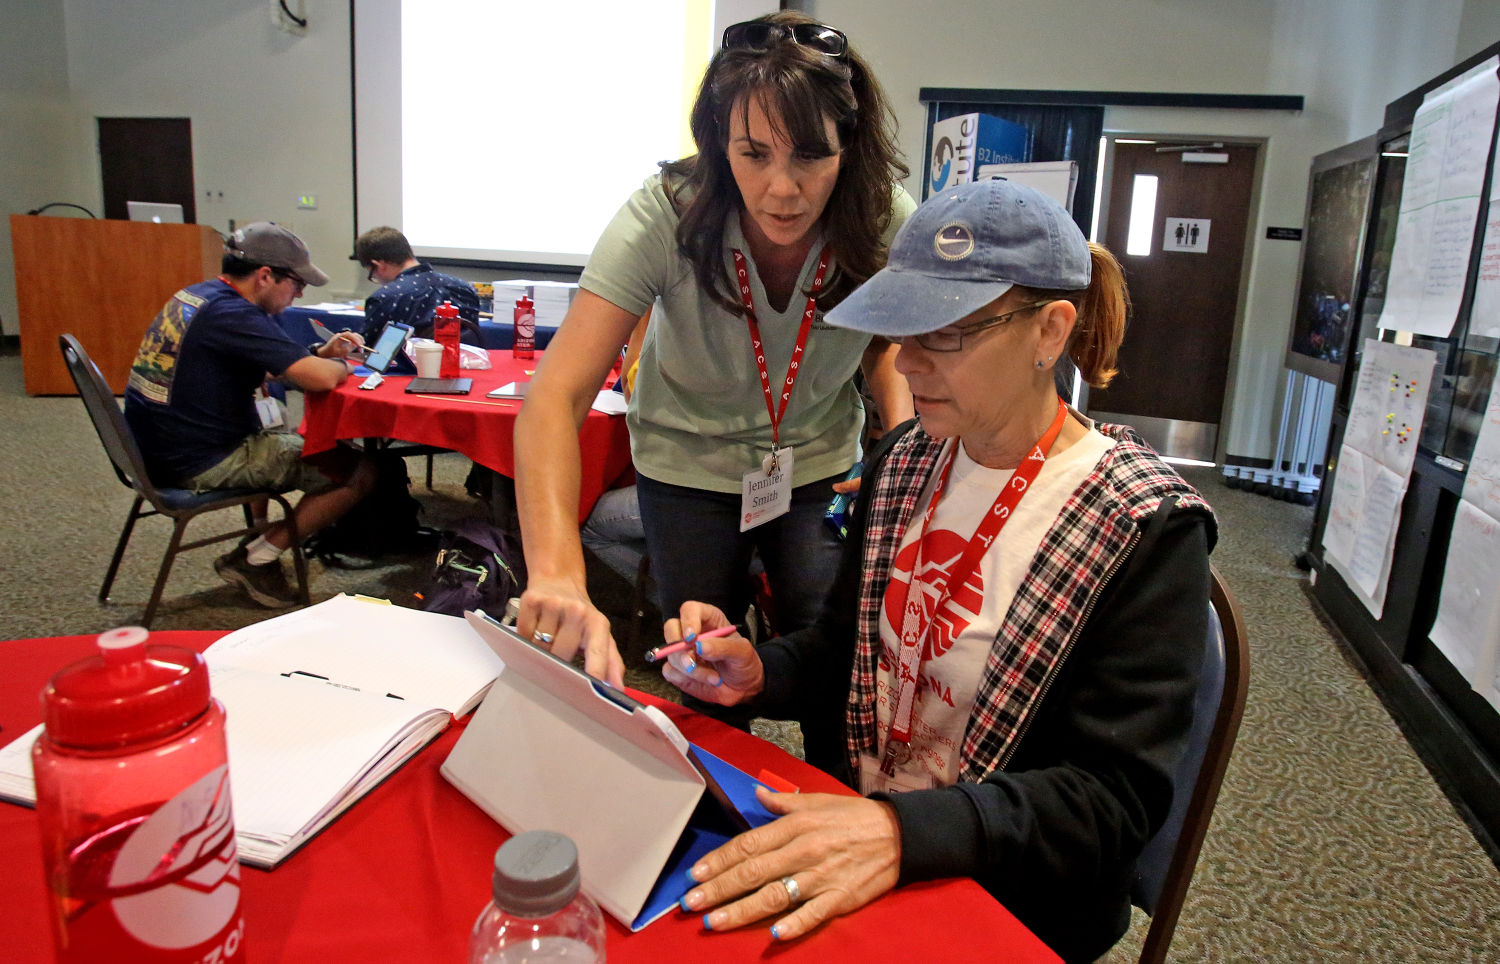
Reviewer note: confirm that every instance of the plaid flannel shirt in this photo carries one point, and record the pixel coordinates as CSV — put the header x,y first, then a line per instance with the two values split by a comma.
x,y
1089,540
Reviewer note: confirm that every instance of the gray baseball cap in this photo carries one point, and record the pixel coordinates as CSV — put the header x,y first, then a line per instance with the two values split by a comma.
x,y
962,249
273,245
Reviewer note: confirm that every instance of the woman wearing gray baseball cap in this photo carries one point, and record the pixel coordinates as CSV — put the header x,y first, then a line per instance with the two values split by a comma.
x,y
1017,626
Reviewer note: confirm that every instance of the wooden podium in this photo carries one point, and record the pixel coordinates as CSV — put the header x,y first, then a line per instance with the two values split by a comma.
x,y
102,281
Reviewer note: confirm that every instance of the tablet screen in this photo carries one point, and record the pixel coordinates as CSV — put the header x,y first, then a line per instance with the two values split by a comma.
x,y
392,337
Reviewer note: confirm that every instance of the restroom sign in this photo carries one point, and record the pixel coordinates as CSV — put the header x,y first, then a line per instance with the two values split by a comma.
x,y
1186,234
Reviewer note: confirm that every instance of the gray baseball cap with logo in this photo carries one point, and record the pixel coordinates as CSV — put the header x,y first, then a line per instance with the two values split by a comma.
x,y
962,249
270,244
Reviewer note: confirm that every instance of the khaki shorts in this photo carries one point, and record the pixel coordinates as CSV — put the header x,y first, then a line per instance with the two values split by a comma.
x,y
273,460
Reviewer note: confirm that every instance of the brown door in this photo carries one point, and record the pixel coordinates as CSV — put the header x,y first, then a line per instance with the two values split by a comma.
x,y
1184,287
146,159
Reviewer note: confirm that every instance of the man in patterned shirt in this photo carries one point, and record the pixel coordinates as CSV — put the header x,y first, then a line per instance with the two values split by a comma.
x,y
411,290
191,400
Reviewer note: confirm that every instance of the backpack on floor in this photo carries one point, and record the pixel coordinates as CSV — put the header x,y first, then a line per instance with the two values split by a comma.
x,y
477,567
384,523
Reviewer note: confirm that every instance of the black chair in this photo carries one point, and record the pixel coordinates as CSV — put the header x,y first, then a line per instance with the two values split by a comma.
x,y
179,505
1165,868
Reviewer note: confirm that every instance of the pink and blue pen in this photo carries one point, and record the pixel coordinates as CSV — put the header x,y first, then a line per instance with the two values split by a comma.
x,y
662,652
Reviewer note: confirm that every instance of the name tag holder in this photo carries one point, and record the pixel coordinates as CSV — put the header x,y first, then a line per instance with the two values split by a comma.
x,y
766,492
268,410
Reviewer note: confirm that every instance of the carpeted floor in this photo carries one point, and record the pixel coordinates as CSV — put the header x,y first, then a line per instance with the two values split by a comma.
x,y
1331,840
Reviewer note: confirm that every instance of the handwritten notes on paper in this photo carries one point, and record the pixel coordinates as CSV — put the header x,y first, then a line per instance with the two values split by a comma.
x,y
1484,317
1467,629
1374,467
1450,144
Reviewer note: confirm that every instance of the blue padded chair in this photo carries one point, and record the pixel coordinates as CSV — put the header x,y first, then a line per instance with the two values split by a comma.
x,y
179,505
1165,867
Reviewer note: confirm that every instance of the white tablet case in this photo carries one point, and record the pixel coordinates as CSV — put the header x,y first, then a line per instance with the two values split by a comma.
x,y
550,748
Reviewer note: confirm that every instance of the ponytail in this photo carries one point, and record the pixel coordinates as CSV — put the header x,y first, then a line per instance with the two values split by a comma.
x,y
1102,310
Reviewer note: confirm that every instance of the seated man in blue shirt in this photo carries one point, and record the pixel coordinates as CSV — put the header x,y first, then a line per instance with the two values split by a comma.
x,y
412,290
191,399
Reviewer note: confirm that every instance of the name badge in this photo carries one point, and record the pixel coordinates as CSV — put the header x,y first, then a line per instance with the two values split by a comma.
x,y
766,491
872,780
269,411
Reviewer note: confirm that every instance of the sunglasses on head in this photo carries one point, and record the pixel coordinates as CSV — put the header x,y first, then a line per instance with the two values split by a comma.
x,y
759,35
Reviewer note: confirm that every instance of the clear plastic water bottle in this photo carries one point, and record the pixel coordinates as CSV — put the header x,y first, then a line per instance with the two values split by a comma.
x,y
132,796
538,913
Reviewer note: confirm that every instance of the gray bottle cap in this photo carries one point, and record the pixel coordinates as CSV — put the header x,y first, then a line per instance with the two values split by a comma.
x,y
536,873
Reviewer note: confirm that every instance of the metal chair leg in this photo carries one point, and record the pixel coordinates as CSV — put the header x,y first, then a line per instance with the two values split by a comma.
x,y
114,562
299,558
178,525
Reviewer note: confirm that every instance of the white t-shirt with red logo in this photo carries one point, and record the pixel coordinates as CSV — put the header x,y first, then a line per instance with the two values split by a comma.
x,y
962,634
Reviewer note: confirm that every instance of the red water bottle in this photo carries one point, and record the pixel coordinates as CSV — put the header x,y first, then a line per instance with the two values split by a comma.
x,y
445,331
132,796
523,344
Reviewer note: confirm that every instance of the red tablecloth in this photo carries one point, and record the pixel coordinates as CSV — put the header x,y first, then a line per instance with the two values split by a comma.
x,y
477,426
403,874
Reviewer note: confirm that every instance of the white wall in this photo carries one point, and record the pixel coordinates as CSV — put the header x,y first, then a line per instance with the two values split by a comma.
x,y
271,111
1348,58
41,159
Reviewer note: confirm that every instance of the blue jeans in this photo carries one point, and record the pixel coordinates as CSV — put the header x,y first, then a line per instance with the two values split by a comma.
x,y
613,532
698,552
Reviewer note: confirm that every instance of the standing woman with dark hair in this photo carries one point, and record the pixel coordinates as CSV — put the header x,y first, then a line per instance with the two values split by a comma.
x,y
745,404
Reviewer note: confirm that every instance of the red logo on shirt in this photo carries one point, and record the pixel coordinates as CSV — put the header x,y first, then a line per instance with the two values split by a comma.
x,y
943,549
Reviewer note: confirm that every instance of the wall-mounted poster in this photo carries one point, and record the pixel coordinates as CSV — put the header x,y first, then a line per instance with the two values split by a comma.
x,y
1440,191
1467,628
1338,211
1374,466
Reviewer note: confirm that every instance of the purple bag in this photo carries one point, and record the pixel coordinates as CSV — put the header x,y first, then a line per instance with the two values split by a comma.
x,y
477,567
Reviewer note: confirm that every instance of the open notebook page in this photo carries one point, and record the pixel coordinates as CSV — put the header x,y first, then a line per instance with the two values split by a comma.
x,y
425,658
296,745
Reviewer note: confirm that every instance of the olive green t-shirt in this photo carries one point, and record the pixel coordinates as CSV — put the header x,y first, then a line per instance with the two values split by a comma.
x,y
698,416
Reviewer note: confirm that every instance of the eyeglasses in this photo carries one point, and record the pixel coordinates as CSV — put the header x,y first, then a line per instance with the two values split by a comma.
x,y
953,340
370,272
283,275
759,35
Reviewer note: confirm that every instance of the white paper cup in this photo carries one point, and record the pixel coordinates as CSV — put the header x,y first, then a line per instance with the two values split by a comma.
x,y
429,360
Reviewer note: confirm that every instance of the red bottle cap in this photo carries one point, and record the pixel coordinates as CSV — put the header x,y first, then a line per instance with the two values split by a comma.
x,y
524,303
131,692
445,310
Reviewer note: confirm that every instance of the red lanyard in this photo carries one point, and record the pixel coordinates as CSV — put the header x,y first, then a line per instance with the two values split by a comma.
x,y
742,275
916,621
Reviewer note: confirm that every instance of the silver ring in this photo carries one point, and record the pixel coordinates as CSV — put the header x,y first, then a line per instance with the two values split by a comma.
x,y
793,892
540,637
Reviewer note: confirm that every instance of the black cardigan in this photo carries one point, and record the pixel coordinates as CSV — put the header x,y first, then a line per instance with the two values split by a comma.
x,y
1054,837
